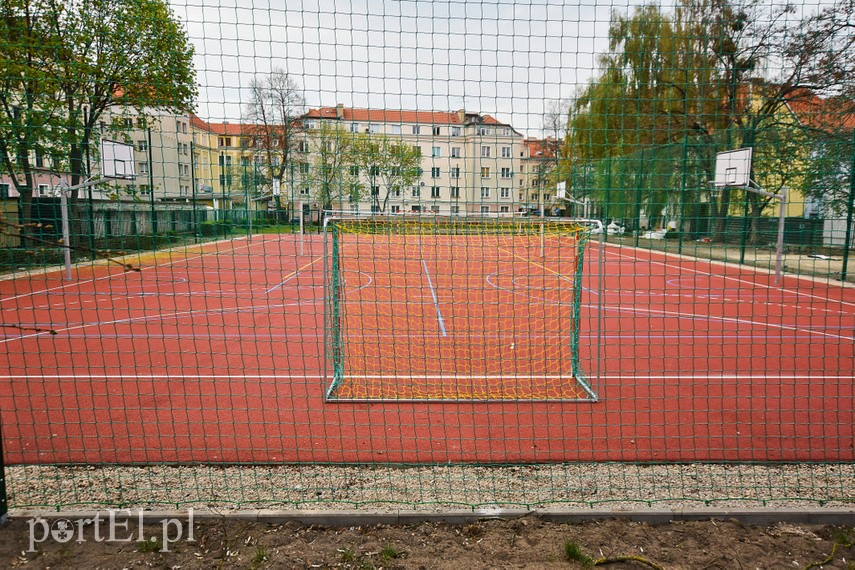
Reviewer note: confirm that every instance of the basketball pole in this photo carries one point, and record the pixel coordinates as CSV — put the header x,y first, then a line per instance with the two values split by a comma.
x,y
779,248
64,190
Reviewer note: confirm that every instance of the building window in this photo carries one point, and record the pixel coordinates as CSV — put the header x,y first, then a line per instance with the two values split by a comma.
x,y
522,167
485,172
396,209
354,127
416,209
504,209
436,131
455,172
455,191
416,129
4,190
485,151
455,131
396,192
505,193
142,146
455,152
304,191
375,190
311,124
455,209
506,152
144,167
434,172
436,152
506,132
483,131
506,172
354,171
225,141
396,129
302,146
145,190
534,197
434,209
485,209
372,128
485,192
546,197
416,192
434,192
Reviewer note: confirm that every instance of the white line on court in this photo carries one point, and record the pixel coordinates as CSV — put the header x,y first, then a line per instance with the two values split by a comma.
x,y
722,319
160,316
687,376
123,273
435,302
755,270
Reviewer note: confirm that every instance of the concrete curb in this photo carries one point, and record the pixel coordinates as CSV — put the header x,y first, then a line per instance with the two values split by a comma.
x,y
346,518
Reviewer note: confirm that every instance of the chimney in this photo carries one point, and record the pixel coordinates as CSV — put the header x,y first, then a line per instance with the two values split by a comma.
x,y
461,115
339,111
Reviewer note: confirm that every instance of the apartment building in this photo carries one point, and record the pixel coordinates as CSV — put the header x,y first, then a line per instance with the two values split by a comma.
x,y
469,161
161,141
538,175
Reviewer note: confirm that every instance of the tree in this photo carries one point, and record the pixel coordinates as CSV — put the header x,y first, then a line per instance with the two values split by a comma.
x,y
272,113
386,164
829,176
330,172
656,89
29,107
767,62
720,71
91,55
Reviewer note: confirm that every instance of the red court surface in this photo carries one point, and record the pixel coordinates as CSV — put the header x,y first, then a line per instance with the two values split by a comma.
x,y
215,354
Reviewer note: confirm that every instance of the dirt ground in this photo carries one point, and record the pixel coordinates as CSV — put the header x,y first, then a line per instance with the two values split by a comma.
x,y
526,542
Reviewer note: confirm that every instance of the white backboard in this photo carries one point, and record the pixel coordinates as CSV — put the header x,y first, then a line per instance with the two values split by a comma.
x,y
733,168
117,160
562,190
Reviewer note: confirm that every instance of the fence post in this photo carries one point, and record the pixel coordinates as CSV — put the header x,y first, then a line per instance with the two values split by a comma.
x,y
683,193
4,502
638,184
849,207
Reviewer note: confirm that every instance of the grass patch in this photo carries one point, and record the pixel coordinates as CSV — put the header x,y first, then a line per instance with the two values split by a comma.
x,y
574,552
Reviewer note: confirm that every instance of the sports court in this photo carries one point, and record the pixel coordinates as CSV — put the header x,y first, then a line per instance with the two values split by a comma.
x,y
215,352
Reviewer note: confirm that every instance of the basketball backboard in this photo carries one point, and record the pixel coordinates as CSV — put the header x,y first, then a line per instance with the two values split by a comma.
x,y
117,160
733,168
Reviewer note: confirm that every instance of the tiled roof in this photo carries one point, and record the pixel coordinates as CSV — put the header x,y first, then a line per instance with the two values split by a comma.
x,y
232,129
827,114
396,116
540,148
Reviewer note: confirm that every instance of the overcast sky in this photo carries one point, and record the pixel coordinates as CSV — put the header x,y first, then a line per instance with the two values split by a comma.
x,y
505,58
508,58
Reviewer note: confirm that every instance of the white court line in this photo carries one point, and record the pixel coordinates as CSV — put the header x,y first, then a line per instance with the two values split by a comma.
x,y
687,376
435,302
708,317
123,273
756,270
177,315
